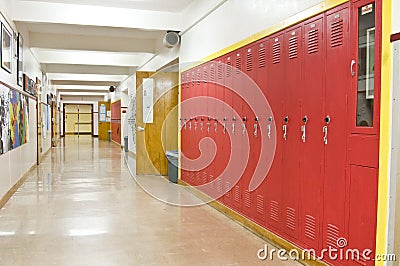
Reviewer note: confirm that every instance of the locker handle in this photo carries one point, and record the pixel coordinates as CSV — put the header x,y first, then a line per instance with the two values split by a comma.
x,y
195,126
208,127
269,131
255,130
303,136
201,125
215,126
233,128
190,125
284,132
184,125
353,62
243,129
325,131
224,126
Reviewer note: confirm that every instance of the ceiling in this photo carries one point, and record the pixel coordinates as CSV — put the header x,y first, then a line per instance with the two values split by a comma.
x,y
87,45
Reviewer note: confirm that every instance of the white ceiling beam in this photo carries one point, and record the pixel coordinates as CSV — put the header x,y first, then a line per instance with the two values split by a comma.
x,y
87,69
29,11
83,93
90,43
86,77
56,82
49,56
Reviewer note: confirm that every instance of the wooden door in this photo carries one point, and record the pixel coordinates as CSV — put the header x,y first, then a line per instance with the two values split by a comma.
x,y
104,126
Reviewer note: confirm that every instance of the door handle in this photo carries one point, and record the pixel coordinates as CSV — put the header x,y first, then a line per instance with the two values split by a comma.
x,y
139,128
284,132
303,136
353,62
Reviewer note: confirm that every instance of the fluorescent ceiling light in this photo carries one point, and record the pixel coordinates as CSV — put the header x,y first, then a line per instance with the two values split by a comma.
x,y
86,77
82,87
83,93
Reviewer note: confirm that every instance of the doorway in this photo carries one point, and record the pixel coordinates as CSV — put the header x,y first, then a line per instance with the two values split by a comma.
x,y
78,119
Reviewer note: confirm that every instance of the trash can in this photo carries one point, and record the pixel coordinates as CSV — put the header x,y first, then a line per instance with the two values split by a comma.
x,y
126,144
172,157
109,135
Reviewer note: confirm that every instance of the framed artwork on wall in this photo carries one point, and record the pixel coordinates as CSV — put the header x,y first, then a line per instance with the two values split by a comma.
x,y
6,49
20,62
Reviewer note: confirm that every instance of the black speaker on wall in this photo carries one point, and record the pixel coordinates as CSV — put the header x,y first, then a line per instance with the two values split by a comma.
x,y
112,88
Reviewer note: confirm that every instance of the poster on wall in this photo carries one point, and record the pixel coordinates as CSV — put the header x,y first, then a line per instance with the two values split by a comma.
x,y
20,63
148,91
4,119
6,48
19,119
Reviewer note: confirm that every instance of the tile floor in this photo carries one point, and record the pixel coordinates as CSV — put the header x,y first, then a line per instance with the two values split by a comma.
x,y
82,207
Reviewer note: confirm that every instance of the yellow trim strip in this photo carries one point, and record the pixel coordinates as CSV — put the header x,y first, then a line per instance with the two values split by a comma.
x,y
304,15
384,145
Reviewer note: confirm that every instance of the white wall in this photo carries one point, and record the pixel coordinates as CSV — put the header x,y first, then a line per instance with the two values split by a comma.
x,y
15,163
234,21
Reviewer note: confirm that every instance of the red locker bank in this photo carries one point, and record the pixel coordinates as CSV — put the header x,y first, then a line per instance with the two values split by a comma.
x,y
321,78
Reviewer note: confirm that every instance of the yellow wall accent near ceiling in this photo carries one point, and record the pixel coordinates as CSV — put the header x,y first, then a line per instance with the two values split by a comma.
x,y
384,145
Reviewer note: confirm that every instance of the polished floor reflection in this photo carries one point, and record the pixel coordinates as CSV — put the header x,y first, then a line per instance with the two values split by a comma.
x,y
82,207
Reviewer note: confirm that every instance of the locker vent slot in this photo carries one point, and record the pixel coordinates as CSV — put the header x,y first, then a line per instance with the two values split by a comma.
x,y
198,178
205,75
238,65
260,204
229,69
274,211
276,53
337,33
219,185
249,62
310,227
237,194
290,218
212,74
313,41
198,77
227,189
293,47
212,184
220,71
261,58
332,235
192,178
204,178
247,199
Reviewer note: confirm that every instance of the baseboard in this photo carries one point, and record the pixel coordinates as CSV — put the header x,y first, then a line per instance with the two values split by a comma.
x,y
250,225
14,188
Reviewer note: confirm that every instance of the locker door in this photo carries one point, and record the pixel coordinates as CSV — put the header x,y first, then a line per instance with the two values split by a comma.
x,y
217,130
261,80
274,185
292,120
183,132
311,145
227,119
209,120
249,69
189,127
363,143
194,124
337,85
240,125
201,119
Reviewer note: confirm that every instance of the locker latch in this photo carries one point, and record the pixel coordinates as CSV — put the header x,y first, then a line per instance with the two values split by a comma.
x,y
303,128
256,126
190,124
233,125
184,124
195,124
269,126
224,125
201,123
325,131
216,125
208,124
244,125
286,119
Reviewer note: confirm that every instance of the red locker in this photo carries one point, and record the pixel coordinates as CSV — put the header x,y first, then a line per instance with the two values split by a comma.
x,y
240,125
334,138
183,132
291,124
312,148
227,126
273,183
209,122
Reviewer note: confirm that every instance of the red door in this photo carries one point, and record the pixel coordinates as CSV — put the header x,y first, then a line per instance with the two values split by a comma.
x,y
274,186
337,85
312,148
